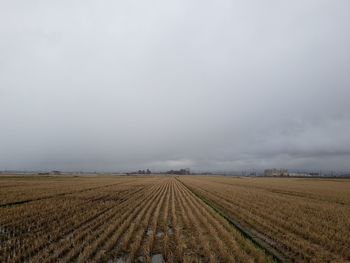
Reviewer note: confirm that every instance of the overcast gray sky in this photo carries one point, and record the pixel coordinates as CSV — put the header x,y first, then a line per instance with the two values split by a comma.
x,y
210,85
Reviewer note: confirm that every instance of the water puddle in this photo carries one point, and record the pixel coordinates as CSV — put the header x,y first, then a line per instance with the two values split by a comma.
x,y
120,260
141,259
149,232
157,258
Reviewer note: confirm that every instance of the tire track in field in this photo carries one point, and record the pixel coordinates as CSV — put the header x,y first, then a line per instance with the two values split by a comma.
x,y
291,239
235,244
257,224
220,241
258,241
199,241
188,246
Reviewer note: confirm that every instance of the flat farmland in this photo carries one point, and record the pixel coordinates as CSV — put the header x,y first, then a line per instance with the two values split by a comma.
x,y
307,220
173,219
114,219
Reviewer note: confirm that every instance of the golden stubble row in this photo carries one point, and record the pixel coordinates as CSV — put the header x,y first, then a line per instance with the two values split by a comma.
x,y
292,214
133,219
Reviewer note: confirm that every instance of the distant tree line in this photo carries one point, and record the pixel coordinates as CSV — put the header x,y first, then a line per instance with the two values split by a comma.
x,y
180,172
185,171
147,171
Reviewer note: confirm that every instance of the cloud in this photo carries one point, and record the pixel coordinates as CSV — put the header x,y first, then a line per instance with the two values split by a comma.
x,y
172,164
211,86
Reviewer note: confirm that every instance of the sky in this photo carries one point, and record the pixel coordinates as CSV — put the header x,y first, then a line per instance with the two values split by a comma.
x,y
210,85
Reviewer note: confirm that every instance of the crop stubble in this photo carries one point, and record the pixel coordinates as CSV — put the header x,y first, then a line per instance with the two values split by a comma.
x,y
129,219
307,220
136,219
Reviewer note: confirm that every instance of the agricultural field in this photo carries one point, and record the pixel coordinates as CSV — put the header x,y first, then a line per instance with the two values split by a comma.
x,y
307,220
114,219
173,219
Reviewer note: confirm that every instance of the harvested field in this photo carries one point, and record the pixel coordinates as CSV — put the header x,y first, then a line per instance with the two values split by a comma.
x,y
307,220
114,219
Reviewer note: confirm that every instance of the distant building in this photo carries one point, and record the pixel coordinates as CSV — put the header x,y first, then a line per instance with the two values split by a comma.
x,y
314,174
276,172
